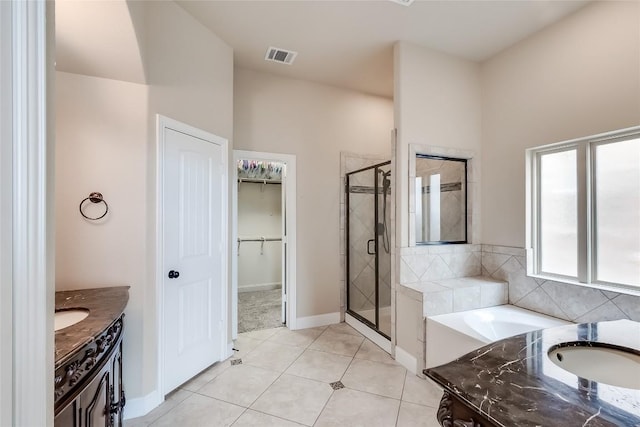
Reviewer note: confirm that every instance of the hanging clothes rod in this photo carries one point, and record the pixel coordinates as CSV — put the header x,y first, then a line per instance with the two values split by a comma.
x,y
259,239
259,181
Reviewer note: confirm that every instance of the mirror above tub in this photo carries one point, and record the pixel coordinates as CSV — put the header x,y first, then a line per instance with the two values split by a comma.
x,y
443,196
440,200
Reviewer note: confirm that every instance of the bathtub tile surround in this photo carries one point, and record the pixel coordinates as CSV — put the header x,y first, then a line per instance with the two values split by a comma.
x,y
426,263
454,295
433,281
565,301
431,298
319,388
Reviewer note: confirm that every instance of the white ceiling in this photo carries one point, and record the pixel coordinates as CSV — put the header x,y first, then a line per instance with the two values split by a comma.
x,y
345,43
348,43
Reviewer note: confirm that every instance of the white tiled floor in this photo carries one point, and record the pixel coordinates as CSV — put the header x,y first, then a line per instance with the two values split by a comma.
x,y
284,380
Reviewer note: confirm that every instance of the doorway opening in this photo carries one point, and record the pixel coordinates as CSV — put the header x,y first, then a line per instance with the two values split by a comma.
x,y
263,263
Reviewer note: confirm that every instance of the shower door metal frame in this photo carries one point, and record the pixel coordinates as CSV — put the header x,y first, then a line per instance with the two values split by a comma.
x,y
376,326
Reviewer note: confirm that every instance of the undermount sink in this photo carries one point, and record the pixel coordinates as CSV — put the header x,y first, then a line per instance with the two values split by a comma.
x,y
605,365
65,318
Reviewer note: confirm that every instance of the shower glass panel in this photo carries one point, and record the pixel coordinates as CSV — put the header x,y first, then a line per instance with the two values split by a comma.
x,y
369,246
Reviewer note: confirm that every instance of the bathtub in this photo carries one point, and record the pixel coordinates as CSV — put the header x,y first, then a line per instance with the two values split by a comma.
x,y
450,336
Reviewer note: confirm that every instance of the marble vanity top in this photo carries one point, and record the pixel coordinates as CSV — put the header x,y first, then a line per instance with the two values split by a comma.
x,y
105,306
512,382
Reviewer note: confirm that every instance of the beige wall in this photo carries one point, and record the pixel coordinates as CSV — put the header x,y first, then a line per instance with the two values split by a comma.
x,y
189,69
437,103
576,78
190,75
101,142
106,142
314,122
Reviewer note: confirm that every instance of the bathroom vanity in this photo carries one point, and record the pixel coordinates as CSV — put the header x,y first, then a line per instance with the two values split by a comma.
x,y
575,375
88,358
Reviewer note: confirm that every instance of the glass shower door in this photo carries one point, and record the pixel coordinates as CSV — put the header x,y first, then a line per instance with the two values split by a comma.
x,y
368,247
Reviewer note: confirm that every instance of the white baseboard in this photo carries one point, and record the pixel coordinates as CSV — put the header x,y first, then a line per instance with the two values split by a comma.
x,y
406,359
141,406
372,335
260,287
319,320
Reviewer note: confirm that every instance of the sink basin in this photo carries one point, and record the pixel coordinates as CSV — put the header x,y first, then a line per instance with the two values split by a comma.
x,y
605,365
65,318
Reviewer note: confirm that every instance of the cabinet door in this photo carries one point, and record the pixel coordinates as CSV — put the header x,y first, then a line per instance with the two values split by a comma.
x,y
118,398
94,400
68,417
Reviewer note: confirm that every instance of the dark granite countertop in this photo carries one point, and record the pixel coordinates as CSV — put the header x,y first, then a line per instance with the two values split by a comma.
x,y
514,383
105,306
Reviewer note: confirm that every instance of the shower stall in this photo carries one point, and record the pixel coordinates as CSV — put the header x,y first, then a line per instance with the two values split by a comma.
x,y
368,215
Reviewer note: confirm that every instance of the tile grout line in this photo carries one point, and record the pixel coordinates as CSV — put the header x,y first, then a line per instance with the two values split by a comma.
x,y
404,383
352,359
261,394
271,415
239,416
282,373
342,376
155,420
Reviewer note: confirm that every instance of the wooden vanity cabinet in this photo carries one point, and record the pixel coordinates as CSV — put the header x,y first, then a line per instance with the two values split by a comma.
x,y
454,413
96,398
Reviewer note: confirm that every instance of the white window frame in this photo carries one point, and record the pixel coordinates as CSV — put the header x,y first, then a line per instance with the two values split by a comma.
x,y
586,251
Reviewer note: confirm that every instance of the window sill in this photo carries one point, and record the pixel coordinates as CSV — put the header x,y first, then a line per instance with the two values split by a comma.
x,y
621,289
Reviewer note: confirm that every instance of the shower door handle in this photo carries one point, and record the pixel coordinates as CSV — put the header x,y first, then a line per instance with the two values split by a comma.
x,y
369,242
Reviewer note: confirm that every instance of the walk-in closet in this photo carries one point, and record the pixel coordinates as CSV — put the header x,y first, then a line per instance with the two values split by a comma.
x,y
260,232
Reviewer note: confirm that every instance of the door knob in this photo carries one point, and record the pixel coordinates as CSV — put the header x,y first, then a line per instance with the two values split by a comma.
x,y
174,274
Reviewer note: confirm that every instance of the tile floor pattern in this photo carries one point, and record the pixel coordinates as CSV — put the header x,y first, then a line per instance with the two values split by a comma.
x,y
288,378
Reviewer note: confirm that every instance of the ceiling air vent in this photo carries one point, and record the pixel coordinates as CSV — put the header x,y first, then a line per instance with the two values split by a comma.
x,y
280,55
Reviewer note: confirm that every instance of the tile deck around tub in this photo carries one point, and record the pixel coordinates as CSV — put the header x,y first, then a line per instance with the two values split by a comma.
x,y
329,376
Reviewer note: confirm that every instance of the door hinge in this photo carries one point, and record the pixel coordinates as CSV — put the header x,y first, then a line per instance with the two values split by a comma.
x,y
284,298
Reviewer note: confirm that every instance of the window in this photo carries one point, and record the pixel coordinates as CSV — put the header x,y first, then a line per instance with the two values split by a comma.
x,y
583,215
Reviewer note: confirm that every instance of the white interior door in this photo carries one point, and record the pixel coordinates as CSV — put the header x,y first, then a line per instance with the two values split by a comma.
x,y
194,208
